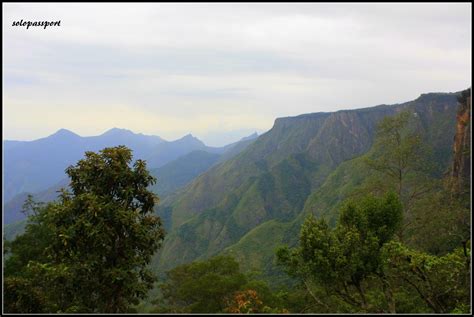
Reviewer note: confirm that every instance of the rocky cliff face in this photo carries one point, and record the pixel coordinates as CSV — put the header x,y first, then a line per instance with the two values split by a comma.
x,y
461,168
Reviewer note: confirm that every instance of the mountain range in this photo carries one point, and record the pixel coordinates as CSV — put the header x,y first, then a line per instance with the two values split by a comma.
x,y
247,198
37,167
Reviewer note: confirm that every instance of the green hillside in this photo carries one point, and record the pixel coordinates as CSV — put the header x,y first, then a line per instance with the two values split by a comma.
x,y
250,204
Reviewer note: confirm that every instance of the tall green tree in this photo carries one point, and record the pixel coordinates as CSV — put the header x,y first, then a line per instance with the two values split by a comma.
x,y
100,237
402,161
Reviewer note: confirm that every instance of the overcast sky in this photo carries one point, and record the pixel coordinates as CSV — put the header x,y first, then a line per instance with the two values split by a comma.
x,y
170,69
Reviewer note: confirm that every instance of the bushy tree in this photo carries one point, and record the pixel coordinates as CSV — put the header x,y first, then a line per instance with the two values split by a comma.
x,y
99,238
345,259
202,286
359,266
215,285
442,282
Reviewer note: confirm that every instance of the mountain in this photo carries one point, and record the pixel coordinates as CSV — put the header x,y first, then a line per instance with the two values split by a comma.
x,y
233,149
167,151
256,200
170,176
177,173
31,166
12,209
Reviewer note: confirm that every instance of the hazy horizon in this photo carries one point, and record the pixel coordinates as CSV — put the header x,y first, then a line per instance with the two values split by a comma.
x,y
212,138
221,71
208,139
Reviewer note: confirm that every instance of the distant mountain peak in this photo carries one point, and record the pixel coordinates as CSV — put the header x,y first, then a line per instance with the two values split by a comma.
x,y
116,131
64,133
250,137
189,138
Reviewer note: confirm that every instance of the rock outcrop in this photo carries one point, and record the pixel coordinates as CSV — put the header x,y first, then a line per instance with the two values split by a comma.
x,y
461,169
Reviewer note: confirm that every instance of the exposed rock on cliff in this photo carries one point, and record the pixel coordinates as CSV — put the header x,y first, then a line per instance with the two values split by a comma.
x,y
461,168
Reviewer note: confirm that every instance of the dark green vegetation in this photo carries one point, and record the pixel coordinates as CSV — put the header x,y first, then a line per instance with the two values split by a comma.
x,y
359,267
214,286
407,252
87,252
341,260
378,197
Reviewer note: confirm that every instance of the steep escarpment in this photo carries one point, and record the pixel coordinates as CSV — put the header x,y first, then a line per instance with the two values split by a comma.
x,y
272,180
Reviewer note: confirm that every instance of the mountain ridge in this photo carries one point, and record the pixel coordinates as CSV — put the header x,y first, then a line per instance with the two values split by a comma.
x,y
32,166
273,177
171,176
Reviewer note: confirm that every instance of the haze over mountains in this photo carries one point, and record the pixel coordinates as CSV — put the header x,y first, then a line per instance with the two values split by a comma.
x,y
38,166
31,166
248,197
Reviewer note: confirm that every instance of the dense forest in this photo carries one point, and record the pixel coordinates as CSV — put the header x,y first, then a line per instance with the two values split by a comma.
x,y
364,211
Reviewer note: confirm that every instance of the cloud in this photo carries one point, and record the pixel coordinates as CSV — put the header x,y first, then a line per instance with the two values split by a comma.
x,y
171,69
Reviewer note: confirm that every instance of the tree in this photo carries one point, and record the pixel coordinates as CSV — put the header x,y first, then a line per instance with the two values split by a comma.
x,y
442,282
215,285
249,301
345,260
101,236
202,286
436,211
442,222
402,159
360,267
245,302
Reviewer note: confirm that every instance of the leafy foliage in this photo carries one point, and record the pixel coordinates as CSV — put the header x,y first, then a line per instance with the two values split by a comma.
x,y
202,286
342,259
442,282
93,245
403,161
244,302
213,286
357,267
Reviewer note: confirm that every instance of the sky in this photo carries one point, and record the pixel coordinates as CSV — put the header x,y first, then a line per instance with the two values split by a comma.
x,y
221,71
